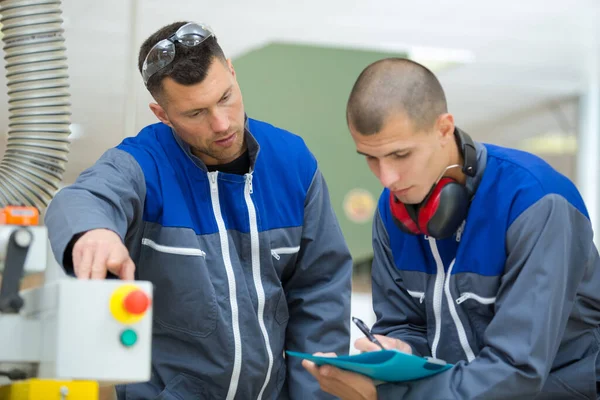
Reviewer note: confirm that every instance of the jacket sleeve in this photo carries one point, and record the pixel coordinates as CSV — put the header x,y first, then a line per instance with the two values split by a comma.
x,y
549,252
318,291
398,314
108,195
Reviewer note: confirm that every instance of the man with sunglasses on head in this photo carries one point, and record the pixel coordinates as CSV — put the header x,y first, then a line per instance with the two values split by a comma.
x,y
483,255
228,217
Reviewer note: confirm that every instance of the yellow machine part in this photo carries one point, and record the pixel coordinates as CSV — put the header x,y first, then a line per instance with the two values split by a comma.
x,y
48,389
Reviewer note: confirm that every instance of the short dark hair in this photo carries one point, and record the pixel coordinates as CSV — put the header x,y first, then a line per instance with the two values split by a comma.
x,y
395,85
190,65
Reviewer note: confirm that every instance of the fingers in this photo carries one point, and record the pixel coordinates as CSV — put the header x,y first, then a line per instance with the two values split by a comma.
x,y
76,257
311,367
403,347
328,376
83,269
387,342
99,264
127,272
99,251
330,354
314,369
392,343
119,262
319,372
365,345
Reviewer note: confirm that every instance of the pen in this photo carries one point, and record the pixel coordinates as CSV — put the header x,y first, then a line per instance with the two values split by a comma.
x,y
365,329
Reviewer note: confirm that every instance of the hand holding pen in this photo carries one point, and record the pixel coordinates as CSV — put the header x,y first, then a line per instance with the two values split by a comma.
x,y
366,331
364,344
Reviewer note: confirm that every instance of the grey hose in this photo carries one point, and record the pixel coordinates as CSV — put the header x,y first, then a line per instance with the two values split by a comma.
x,y
38,98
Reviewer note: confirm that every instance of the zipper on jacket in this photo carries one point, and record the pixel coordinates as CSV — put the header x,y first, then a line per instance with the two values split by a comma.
x,y
418,295
224,239
249,188
437,294
284,250
182,251
462,334
442,284
260,292
468,295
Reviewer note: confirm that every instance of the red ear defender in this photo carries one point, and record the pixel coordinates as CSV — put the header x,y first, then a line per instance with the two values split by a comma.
x,y
440,214
401,216
431,205
444,209
447,204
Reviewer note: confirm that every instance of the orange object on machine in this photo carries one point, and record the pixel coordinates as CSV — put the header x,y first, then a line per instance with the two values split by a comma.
x,y
136,302
19,215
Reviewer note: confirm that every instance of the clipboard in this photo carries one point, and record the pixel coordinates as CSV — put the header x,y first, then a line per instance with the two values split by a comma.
x,y
383,365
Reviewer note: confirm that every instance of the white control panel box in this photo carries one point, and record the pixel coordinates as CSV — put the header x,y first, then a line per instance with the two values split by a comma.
x,y
97,330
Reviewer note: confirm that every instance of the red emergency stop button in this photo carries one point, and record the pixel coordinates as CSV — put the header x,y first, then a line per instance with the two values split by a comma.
x,y
129,303
136,302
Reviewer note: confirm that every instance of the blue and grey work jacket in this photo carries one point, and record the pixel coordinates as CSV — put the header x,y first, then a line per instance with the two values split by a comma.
x,y
512,299
244,266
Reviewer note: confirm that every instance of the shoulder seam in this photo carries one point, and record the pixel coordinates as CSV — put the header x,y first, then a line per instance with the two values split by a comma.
x,y
521,168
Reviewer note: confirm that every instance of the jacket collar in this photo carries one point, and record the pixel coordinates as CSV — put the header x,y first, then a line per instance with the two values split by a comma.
x,y
251,144
472,183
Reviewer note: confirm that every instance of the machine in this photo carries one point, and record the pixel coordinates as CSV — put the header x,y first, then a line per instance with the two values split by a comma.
x,y
65,337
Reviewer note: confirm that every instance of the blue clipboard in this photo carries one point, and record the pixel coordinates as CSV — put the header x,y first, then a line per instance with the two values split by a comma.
x,y
383,365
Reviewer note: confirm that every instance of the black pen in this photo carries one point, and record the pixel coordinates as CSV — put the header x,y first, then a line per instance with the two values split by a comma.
x,y
365,329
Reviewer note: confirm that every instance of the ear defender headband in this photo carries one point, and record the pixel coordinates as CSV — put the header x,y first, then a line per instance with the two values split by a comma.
x,y
446,205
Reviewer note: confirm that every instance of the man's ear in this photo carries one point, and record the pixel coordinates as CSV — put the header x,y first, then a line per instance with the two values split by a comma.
x,y
230,66
160,113
445,127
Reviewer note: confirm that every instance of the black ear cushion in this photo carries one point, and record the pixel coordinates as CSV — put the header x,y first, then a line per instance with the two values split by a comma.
x,y
413,211
431,203
451,211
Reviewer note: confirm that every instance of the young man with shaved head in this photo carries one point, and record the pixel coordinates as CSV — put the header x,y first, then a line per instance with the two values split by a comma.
x,y
228,217
483,255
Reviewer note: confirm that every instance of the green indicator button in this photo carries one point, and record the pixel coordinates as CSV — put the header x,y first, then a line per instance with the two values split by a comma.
x,y
128,337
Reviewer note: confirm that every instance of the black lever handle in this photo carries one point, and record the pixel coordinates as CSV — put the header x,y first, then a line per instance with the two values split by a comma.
x,y
14,265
